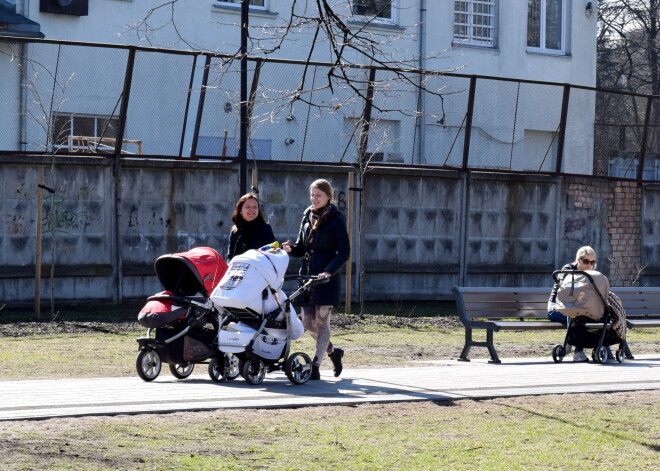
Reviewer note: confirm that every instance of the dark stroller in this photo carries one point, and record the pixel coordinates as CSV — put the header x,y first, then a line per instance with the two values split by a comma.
x,y
181,322
589,326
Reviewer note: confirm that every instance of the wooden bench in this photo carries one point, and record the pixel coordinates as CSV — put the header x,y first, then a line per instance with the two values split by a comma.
x,y
495,309
642,305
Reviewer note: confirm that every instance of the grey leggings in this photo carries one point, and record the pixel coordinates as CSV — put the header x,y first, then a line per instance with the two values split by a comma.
x,y
316,320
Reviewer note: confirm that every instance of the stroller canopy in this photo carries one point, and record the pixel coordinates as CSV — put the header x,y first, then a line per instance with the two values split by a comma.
x,y
187,273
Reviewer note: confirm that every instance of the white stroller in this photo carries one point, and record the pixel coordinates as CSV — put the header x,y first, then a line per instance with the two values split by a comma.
x,y
257,319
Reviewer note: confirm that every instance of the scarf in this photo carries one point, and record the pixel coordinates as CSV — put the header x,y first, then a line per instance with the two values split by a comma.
x,y
618,315
318,217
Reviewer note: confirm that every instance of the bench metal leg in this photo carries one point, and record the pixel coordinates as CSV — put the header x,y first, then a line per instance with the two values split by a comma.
x,y
491,347
471,343
466,347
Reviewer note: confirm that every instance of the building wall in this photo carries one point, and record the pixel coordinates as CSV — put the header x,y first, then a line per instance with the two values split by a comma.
x,y
423,231
517,122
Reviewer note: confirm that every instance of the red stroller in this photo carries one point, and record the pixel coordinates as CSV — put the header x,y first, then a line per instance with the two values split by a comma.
x,y
181,321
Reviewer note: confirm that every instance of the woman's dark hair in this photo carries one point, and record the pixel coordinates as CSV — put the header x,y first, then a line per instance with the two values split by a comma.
x,y
236,217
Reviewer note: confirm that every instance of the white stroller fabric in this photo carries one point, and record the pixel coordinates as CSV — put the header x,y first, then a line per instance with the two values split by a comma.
x,y
242,287
578,297
246,278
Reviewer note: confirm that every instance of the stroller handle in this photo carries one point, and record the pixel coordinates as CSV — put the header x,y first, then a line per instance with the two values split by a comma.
x,y
309,280
556,273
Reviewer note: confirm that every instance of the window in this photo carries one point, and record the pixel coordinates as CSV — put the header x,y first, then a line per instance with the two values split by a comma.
x,y
82,127
254,4
474,22
545,26
374,10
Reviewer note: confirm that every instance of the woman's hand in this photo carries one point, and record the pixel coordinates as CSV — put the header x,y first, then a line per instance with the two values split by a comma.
x,y
324,274
286,246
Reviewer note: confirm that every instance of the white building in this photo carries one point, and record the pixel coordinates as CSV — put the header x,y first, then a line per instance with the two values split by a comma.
x,y
514,125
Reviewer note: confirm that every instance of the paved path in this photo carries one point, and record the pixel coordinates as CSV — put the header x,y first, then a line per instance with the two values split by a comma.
x,y
439,380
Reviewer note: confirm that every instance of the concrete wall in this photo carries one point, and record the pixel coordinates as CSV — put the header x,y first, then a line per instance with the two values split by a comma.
x,y
423,230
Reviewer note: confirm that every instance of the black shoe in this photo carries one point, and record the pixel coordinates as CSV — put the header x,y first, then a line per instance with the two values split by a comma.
x,y
316,374
335,356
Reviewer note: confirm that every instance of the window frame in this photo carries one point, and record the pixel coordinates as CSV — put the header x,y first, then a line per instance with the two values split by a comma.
x,y
542,20
471,25
374,20
237,4
70,119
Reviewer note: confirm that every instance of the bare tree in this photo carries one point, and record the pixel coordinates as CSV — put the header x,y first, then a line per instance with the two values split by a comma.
x,y
629,46
365,73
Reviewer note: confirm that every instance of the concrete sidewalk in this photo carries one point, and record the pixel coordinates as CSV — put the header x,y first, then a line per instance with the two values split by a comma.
x,y
439,380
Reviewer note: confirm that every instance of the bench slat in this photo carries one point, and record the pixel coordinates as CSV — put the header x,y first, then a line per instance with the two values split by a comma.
x,y
505,306
528,325
642,323
511,313
506,297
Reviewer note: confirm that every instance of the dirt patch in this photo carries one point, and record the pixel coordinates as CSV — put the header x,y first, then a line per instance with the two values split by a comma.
x,y
340,321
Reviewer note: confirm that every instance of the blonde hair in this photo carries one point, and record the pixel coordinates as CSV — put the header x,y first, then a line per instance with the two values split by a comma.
x,y
585,250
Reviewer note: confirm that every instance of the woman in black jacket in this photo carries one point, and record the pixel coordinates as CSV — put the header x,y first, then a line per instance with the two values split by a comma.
x,y
585,259
323,243
250,231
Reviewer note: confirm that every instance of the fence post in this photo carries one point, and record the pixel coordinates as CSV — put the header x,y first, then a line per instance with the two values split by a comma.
x,y
468,122
366,120
38,243
116,173
123,111
349,219
562,128
185,113
200,108
242,149
645,135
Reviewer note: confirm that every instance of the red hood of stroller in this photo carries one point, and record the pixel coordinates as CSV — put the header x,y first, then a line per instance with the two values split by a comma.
x,y
196,271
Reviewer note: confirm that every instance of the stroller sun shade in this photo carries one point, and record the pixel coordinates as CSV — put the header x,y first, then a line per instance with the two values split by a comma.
x,y
188,273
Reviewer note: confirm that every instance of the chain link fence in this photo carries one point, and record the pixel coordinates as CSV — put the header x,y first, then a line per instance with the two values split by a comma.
x,y
62,97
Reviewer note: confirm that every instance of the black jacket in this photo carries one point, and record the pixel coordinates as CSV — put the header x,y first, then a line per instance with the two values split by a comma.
x,y
555,288
329,252
249,235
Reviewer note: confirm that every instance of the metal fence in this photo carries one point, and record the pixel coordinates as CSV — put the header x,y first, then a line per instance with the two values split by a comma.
x,y
67,97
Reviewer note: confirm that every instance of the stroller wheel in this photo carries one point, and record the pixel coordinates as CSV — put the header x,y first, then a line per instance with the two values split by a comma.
x,y
254,370
298,368
620,355
148,364
232,365
558,353
601,354
182,370
218,369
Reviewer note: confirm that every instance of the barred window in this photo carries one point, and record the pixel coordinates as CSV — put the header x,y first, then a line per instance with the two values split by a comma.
x,y
475,21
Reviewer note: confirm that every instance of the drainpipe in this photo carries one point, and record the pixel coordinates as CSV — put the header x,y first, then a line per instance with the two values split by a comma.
x,y
421,96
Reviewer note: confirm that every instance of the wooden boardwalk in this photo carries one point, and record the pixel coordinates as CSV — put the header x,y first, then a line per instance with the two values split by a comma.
x,y
439,380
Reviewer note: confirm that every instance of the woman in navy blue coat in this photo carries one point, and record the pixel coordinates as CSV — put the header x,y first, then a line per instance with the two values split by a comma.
x,y
323,243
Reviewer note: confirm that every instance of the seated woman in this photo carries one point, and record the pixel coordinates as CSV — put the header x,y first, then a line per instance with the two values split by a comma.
x,y
585,259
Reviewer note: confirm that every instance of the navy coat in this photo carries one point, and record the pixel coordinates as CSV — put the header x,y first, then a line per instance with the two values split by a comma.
x,y
329,252
249,235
